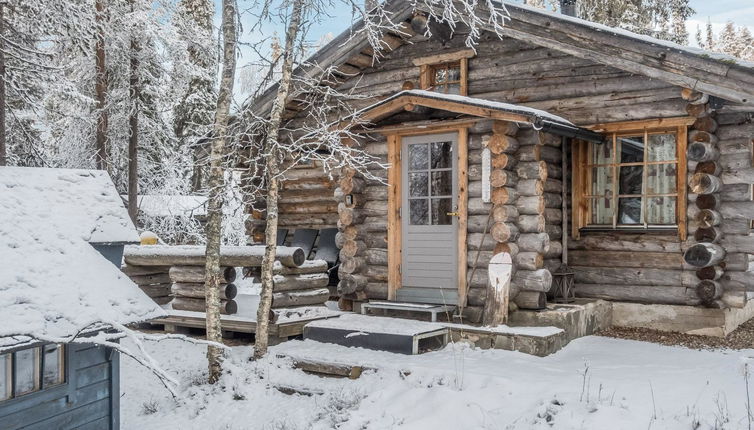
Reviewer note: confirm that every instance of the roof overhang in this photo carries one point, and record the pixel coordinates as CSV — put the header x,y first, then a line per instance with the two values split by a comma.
x,y
475,107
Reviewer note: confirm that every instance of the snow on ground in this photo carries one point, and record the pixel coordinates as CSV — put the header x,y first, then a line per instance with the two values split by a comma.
x,y
628,385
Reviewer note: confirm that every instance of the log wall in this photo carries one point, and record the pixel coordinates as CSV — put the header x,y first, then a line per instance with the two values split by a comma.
x,y
646,268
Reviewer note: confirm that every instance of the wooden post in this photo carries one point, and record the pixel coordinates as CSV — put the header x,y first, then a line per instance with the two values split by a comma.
x,y
498,290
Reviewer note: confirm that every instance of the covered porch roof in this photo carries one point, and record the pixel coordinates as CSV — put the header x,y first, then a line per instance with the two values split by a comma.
x,y
475,107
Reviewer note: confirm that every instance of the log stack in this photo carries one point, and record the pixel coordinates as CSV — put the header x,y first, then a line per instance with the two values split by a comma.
x,y
538,205
188,289
297,282
497,217
305,285
355,210
708,249
153,280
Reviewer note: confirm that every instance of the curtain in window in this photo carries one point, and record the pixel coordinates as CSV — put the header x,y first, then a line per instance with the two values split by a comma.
x,y
661,179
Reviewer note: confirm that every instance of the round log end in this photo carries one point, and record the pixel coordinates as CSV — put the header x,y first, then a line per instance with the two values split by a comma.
x,y
231,307
298,257
708,291
704,254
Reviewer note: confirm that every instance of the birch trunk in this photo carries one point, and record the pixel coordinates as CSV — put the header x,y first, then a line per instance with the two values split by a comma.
x,y
216,184
100,88
3,147
133,123
271,150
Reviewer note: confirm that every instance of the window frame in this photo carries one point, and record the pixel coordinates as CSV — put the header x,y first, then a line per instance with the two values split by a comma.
x,y
581,181
39,365
429,65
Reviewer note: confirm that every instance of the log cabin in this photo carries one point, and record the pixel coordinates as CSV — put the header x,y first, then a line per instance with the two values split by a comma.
x,y
592,155
60,288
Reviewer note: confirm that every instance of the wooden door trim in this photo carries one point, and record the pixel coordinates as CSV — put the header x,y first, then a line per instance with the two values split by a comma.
x,y
394,236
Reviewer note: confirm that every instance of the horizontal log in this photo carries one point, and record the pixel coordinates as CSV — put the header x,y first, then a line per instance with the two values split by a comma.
x,y
533,280
500,143
198,290
227,307
162,278
737,243
738,176
479,240
505,128
665,294
376,256
629,259
529,153
503,232
531,300
633,276
196,274
377,290
530,205
504,195
504,213
556,249
531,223
529,261
534,242
478,223
300,282
193,255
627,242
300,298
158,290
530,187
532,170
144,270
509,247
350,284
737,210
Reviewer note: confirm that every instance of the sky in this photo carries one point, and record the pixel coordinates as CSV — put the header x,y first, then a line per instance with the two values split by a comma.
x,y
741,12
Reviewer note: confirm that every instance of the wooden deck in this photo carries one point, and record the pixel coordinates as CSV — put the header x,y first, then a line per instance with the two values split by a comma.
x,y
283,329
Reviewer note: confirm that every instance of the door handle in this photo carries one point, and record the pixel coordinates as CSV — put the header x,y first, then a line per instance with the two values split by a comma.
x,y
452,214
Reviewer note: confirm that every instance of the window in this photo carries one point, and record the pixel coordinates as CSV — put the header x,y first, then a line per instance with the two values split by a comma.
x,y
32,369
430,183
445,78
636,180
445,73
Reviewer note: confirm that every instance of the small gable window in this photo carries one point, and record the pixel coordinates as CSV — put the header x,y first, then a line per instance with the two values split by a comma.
x,y
636,180
32,369
445,73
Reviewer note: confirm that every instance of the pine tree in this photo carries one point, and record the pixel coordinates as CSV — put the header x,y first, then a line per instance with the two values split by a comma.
x,y
658,18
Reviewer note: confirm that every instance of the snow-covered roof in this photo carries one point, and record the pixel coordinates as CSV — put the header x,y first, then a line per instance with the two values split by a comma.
x,y
172,205
53,283
532,114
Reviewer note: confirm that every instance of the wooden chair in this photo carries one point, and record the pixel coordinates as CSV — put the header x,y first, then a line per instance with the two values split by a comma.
x,y
328,251
305,238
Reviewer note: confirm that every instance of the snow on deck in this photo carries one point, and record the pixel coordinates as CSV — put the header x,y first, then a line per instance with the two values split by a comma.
x,y
52,281
373,324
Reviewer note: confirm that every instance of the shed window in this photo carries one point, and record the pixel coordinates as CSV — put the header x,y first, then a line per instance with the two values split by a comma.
x,y
31,369
636,180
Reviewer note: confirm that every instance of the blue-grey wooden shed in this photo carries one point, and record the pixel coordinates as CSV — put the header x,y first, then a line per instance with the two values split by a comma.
x,y
61,275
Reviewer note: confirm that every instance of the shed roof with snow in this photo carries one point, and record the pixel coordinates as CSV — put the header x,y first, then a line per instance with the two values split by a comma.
x,y
53,283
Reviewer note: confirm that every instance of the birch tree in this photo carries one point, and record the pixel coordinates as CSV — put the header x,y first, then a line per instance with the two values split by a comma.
x,y
216,189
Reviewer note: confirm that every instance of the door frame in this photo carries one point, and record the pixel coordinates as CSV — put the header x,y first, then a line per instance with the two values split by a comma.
x,y
394,202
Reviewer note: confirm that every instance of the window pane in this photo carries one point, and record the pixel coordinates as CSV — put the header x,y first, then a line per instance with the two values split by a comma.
x,y
53,360
418,211
441,75
629,210
630,179
417,156
631,149
453,89
4,376
602,181
602,154
442,155
661,210
442,183
440,210
417,184
602,211
454,73
26,371
661,179
662,147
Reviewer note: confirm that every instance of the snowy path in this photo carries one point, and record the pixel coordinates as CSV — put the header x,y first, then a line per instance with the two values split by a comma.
x,y
457,388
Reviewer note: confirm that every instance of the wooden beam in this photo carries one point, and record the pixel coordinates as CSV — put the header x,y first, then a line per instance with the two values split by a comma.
x,y
445,57
463,200
393,213
615,127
